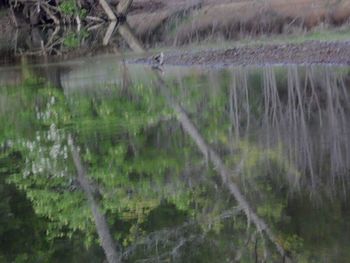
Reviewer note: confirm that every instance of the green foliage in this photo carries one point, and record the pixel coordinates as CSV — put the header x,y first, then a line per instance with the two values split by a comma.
x,y
293,243
70,8
152,182
73,40
23,233
131,190
117,135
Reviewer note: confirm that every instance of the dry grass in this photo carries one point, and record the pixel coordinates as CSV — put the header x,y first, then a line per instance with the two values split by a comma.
x,y
270,16
146,23
232,18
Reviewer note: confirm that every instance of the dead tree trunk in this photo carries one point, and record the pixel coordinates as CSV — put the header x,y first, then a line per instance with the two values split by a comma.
x,y
100,220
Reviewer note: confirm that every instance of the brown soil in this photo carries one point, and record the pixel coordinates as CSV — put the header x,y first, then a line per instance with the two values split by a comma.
x,y
312,52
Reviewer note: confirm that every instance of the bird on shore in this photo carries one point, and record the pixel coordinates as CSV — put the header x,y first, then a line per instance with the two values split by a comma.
x,y
158,60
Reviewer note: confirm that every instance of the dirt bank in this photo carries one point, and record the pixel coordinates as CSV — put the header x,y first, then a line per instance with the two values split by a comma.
x,y
311,52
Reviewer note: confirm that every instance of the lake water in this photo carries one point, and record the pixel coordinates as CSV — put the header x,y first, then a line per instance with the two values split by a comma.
x,y
167,157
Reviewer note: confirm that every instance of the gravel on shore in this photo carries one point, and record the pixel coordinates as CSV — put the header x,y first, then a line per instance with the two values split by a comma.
x,y
311,52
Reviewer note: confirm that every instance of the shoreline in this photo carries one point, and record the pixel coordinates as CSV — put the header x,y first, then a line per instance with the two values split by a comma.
x,y
309,52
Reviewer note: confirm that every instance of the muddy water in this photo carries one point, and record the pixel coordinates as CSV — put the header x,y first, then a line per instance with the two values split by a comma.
x,y
281,132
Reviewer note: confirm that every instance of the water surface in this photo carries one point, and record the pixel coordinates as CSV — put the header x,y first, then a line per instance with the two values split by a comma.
x,y
282,132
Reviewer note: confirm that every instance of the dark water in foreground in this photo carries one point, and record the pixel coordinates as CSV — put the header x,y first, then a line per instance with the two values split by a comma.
x,y
281,132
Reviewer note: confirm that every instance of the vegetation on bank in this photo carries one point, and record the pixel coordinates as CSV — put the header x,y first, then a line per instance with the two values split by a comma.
x,y
195,20
65,11
159,24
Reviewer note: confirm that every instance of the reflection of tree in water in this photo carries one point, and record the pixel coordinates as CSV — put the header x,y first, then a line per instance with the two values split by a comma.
x,y
179,243
279,135
129,143
298,114
307,113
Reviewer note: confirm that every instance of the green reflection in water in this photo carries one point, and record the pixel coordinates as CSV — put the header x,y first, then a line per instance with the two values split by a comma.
x,y
282,131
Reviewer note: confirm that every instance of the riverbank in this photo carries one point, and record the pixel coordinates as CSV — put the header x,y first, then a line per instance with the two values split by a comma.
x,y
309,52
189,25
184,21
